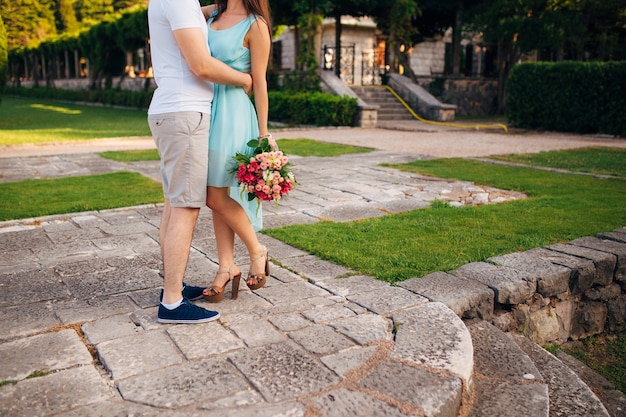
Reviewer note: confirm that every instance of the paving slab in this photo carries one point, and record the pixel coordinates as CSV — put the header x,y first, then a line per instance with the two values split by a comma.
x,y
618,235
497,356
204,340
604,262
193,382
355,284
610,246
434,336
97,331
349,360
432,393
318,339
387,300
30,286
365,328
47,352
138,354
569,395
583,274
55,393
313,268
283,371
511,286
495,398
255,333
32,318
78,311
467,298
613,400
343,402
325,314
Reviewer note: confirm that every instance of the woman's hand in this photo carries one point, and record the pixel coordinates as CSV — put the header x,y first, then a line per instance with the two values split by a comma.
x,y
247,87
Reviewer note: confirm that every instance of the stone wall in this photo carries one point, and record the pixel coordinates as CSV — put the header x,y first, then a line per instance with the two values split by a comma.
x,y
550,294
472,96
428,57
581,289
126,83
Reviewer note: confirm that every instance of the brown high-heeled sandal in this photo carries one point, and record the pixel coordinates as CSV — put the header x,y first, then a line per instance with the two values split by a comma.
x,y
260,278
215,294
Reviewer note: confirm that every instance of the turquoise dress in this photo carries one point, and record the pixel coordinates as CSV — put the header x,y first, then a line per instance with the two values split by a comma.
x,y
233,116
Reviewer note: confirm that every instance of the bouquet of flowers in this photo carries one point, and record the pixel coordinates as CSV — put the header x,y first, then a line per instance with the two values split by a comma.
x,y
264,175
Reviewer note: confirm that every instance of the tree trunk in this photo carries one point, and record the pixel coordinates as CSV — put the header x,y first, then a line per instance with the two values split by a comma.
x,y
501,75
67,65
456,40
338,44
405,61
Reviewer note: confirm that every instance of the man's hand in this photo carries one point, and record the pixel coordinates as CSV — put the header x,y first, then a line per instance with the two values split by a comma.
x,y
196,52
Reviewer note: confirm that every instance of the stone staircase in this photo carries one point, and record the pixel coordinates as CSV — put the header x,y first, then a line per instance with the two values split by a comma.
x,y
512,374
515,377
390,108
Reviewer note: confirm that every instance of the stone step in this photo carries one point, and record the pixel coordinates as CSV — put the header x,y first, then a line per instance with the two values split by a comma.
x,y
506,381
613,400
390,108
569,395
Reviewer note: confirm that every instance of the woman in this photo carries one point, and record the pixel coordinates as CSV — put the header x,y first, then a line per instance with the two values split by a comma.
x,y
240,36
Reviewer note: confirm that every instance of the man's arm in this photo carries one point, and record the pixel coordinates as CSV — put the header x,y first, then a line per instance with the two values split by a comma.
x,y
207,10
193,46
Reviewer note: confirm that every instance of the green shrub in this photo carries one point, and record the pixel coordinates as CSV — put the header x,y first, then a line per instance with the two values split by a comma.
x,y
312,109
109,97
4,56
580,97
296,108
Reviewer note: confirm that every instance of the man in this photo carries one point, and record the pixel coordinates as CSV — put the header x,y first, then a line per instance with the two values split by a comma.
x,y
179,118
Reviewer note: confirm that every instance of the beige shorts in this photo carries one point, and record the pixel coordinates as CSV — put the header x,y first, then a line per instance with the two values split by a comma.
x,y
182,139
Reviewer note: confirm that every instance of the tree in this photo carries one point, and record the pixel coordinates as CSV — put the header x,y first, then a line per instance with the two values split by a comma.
x,y
65,16
396,19
127,4
90,12
338,8
306,17
519,27
27,22
4,57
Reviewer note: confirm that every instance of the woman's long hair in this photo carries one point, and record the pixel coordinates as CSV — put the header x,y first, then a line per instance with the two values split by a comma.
x,y
259,8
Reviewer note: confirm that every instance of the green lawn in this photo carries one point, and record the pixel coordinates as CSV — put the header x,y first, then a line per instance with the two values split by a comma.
x,y
560,207
28,120
301,147
397,247
605,161
34,198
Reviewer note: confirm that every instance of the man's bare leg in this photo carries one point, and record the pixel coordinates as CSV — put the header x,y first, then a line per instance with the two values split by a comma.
x,y
177,225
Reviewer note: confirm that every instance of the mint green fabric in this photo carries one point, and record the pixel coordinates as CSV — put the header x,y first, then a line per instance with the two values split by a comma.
x,y
233,117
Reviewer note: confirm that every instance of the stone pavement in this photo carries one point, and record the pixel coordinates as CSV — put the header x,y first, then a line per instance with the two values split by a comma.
x,y
80,338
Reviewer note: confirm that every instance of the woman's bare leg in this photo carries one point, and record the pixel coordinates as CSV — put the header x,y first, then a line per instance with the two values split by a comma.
x,y
225,239
235,218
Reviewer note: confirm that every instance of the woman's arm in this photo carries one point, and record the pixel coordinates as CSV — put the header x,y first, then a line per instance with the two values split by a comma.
x,y
259,43
207,10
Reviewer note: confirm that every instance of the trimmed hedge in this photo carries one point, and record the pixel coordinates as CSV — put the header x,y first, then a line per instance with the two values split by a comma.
x,y
316,108
109,97
579,97
4,57
294,108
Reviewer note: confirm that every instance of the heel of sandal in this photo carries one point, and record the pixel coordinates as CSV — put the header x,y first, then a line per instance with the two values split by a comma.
x,y
261,277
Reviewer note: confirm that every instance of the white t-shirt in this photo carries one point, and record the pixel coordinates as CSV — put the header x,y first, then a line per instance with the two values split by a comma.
x,y
178,89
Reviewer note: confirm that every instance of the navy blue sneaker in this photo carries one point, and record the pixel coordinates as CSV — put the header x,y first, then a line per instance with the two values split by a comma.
x,y
186,313
189,292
